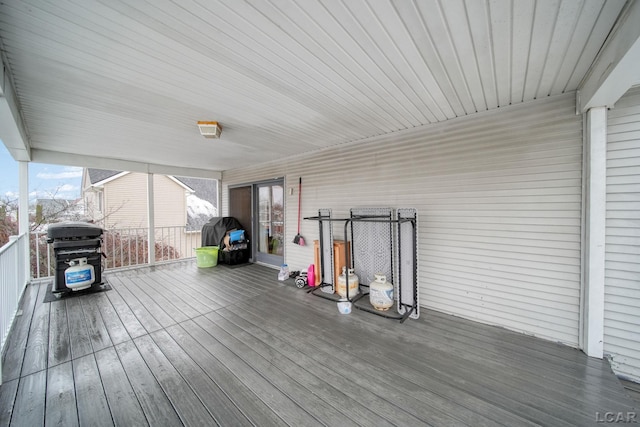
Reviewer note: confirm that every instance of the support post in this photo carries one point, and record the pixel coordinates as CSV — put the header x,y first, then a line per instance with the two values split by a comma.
x,y
23,214
594,248
151,220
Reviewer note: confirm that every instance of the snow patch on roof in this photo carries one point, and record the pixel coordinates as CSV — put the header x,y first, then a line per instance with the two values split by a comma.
x,y
199,212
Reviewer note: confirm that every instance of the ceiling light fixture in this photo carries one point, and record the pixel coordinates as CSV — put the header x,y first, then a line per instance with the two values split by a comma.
x,y
210,129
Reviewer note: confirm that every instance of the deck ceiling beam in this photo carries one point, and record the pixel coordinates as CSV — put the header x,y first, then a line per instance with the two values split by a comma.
x,y
73,159
615,69
12,129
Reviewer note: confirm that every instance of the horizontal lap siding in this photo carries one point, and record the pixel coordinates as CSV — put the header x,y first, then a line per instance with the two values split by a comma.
x,y
622,263
499,201
125,201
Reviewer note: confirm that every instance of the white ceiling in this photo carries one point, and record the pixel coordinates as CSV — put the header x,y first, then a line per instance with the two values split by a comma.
x,y
129,79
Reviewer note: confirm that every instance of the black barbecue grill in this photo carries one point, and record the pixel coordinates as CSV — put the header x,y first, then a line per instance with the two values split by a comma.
x,y
75,243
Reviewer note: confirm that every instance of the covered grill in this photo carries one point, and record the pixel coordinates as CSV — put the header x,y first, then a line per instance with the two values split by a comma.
x,y
218,232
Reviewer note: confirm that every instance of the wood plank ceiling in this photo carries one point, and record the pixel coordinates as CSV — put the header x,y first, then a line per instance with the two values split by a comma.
x,y
129,79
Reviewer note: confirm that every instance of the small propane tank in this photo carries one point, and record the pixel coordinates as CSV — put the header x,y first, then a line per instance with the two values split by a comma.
x,y
283,274
79,275
354,283
381,293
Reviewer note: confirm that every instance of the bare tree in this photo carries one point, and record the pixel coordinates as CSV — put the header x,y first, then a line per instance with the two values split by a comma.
x,y
122,249
102,218
8,219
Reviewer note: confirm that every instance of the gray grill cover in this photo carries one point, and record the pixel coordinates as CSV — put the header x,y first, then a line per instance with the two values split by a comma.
x,y
213,232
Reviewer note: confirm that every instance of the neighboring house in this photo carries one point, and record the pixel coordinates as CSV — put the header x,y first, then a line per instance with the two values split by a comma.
x,y
118,200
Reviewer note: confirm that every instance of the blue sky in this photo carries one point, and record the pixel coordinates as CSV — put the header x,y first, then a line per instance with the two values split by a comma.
x,y
45,181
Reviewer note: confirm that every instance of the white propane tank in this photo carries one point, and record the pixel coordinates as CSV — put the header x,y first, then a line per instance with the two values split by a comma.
x,y
79,275
381,293
354,283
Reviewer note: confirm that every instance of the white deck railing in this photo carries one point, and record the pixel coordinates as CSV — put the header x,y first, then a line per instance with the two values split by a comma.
x,y
13,281
123,247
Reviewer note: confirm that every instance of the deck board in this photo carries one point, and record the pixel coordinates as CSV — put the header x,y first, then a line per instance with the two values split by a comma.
x,y
186,402
36,354
217,402
61,407
8,392
154,402
498,342
96,328
364,371
197,282
321,358
527,363
59,344
202,293
142,314
29,406
274,398
114,326
170,304
181,345
159,314
17,339
184,301
122,400
93,408
329,386
78,332
296,385
448,368
240,394
533,397
127,314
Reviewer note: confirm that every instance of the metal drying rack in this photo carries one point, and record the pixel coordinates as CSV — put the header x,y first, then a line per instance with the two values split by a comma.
x,y
406,284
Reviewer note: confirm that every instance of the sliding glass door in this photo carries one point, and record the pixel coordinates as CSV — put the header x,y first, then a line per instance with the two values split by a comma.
x,y
269,222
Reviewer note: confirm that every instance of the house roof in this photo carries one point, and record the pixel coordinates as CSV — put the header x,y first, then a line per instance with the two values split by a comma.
x,y
202,203
205,189
121,85
55,204
99,175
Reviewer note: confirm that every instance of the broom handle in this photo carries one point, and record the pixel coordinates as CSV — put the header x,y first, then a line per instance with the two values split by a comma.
x,y
299,197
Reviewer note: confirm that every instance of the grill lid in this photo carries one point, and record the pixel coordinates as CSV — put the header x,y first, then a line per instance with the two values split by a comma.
x,y
73,231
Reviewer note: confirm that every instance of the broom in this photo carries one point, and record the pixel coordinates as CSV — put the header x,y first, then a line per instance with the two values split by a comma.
x,y
299,240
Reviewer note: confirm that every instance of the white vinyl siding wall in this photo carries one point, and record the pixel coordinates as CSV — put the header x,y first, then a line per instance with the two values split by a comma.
x,y
498,195
622,262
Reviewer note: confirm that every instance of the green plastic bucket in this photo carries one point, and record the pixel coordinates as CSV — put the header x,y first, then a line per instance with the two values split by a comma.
x,y
207,256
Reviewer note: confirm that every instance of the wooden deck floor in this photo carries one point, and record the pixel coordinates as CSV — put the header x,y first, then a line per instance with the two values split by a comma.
x,y
186,346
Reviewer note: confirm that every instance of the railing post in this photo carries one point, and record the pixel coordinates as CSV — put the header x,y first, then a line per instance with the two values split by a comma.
x,y
36,238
